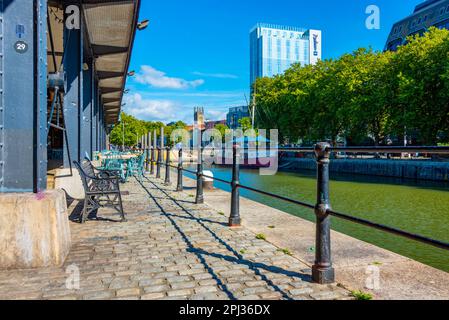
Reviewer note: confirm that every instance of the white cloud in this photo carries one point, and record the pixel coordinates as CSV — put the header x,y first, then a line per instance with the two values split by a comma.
x,y
215,115
158,79
147,109
216,75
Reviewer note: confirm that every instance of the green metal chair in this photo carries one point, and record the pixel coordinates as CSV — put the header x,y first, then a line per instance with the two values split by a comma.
x,y
115,165
136,167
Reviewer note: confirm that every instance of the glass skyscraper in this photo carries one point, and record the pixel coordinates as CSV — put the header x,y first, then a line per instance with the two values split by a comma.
x,y
275,48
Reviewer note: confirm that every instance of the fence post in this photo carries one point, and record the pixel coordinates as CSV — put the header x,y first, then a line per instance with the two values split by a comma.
x,y
147,146
234,219
322,270
167,167
158,163
152,161
199,178
180,187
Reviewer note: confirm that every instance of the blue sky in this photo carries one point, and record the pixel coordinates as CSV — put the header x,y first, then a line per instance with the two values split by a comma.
x,y
196,53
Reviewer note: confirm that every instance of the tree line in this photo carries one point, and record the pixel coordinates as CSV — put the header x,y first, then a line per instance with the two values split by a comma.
x,y
134,129
366,97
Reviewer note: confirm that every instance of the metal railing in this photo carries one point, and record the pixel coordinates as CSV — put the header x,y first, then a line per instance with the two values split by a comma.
x,y
322,270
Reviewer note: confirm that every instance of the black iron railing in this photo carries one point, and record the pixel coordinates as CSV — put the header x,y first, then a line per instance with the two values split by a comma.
x,y
322,270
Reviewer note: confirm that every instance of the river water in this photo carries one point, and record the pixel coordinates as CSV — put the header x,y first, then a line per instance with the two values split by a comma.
x,y
418,207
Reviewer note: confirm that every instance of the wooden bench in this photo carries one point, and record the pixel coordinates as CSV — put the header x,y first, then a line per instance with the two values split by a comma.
x,y
101,188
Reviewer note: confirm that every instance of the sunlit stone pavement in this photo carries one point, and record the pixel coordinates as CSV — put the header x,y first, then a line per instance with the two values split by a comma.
x,y
170,248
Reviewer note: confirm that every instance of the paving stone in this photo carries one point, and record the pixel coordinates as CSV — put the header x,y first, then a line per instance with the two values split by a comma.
x,y
184,292
128,292
206,289
160,288
153,296
149,258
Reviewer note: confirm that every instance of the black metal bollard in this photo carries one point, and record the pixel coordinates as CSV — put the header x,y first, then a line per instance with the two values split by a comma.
x,y
234,219
180,186
147,160
199,179
167,167
158,163
152,161
322,270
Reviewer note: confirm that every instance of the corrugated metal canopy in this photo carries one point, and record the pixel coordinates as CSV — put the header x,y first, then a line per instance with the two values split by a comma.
x,y
111,27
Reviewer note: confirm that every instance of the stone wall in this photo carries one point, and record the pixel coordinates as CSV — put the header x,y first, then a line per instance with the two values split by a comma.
x,y
408,169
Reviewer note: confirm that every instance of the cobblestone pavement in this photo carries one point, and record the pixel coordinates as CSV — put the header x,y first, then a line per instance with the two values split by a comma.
x,y
170,248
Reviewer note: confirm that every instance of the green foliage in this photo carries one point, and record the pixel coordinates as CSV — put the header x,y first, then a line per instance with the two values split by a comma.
x,y
286,251
362,95
222,129
261,236
359,295
245,124
134,129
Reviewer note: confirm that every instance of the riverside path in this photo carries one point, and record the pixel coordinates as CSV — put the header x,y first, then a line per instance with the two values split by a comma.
x,y
170,248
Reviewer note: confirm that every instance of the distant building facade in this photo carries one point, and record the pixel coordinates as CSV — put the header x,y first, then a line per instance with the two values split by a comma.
x,y
275,48
235,114
212,124
427,14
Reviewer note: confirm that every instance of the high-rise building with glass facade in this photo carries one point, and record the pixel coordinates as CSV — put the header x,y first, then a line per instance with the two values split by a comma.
x,y
275,48
427,14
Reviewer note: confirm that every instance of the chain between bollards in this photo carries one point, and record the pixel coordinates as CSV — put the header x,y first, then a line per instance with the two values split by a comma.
x,y
322,270
234,219
180,186
167,167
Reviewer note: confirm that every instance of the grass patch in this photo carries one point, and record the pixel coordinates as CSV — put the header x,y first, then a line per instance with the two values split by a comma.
x,y
285,251
191,196
221,213
243,251
271,227
359,295
375,263
261,236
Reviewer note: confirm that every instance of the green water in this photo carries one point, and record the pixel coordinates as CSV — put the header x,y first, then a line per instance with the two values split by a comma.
x,y
418,207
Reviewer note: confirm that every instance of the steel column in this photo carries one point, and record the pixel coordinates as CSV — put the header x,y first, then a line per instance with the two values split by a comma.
x,y
322,270
23,96
73,42
86,112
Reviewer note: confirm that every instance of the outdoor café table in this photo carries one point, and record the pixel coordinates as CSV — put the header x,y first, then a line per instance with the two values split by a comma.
x,y
126,158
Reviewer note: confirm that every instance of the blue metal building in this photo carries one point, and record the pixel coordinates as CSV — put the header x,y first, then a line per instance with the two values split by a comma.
x,y
63,69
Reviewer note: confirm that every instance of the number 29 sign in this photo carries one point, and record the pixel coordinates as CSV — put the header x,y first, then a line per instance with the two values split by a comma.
x,y
21,47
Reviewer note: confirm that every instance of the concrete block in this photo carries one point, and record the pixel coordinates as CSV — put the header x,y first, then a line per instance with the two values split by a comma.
x,y
70,183
34,230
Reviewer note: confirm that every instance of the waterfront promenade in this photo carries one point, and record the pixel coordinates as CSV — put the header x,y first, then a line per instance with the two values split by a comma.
x,y
170,248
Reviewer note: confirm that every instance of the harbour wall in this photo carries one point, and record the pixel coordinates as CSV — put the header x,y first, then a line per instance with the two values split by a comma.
x,y
406,169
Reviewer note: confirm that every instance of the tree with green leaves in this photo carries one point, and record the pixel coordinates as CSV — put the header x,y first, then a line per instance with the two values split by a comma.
x,y
363,97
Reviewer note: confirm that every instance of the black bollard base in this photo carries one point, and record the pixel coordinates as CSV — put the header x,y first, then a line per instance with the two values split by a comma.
x,y
323,275
199,200
235,222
